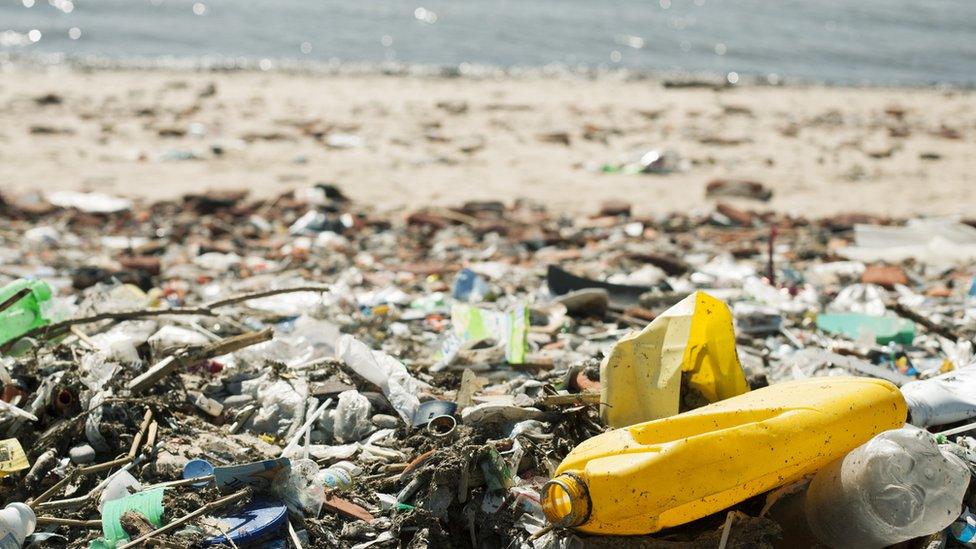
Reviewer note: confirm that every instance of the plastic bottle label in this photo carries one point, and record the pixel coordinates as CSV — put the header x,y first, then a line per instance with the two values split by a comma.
x,y
9,541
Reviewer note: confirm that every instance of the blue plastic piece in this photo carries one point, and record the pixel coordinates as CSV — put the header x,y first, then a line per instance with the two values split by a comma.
x,y
259,519
468,286
198,468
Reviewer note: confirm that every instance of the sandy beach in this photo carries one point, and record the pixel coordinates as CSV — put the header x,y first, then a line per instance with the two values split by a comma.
x,y
402,141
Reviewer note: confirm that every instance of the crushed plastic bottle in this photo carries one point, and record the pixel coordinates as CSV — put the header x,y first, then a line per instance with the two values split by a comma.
x,y
943,399
641,377
896,487
26,313
668,472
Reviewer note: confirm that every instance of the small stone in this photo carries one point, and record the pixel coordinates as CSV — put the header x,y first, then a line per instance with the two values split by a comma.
x,y
586,302
82,454
384,421
615,207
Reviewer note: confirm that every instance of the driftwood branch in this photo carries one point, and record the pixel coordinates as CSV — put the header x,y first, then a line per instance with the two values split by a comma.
x,y
207,309
927,323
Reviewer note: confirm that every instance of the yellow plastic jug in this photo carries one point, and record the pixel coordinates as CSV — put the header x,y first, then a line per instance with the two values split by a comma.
x,y
671,471
641,376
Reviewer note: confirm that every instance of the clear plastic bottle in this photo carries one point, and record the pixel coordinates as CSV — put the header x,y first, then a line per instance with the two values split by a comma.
x,y
897,486
339,475
17,521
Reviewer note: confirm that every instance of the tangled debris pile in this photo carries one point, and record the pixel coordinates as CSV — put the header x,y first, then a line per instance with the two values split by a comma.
x,y
305,372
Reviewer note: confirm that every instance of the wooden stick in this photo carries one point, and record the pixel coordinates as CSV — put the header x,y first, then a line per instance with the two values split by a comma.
x,y
938,329
188,356
12,300
216,504
571,399
146,419
84,337
56,521
726,530
181,482
293,535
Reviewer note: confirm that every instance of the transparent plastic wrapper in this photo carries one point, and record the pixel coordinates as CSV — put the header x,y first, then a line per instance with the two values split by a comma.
x,y
724,269
216,261
300,489
282,402
169,338
103,298
351,418
896,487
935,241
96,371
815,362
641,377
384,371
959,353
322,335
836,272
290,304
121,342
779,299
867,299
646,275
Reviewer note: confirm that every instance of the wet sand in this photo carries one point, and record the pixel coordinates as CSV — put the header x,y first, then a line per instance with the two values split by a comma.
x,y
404,141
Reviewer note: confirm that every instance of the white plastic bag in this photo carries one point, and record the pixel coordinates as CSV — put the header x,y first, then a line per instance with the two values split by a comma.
x,y
351,417
385,372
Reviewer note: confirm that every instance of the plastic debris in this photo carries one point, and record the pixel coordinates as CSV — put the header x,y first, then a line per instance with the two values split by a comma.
x,y
641,377
288,354
948,398
882,329
671,471
896,487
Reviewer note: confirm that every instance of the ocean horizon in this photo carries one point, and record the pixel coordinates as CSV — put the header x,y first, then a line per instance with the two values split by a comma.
x,y
872,42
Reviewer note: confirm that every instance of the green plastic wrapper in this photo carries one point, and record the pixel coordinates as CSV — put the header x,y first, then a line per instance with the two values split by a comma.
x,y
885,328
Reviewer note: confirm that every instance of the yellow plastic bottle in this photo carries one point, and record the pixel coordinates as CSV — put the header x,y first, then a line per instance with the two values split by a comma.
x,y
671,471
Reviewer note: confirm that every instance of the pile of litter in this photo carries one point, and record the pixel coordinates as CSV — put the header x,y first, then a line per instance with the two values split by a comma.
x,y
307,372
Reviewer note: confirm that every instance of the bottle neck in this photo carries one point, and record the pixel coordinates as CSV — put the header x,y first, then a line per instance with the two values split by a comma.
x,y
566,500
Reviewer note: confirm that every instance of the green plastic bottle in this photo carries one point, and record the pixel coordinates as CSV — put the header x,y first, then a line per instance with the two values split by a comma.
x,y
25,314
